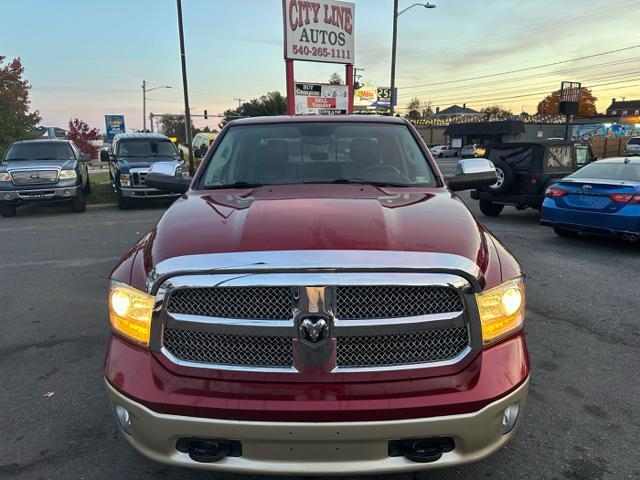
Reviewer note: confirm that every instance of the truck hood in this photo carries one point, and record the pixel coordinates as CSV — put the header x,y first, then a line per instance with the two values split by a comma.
x,y
9,165
318,217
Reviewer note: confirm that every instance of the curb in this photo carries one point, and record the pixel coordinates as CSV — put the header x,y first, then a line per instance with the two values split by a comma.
x,y
101,205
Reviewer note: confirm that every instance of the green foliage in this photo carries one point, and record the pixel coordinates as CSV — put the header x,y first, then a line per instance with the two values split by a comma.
x,y
16,122
273,103
173,126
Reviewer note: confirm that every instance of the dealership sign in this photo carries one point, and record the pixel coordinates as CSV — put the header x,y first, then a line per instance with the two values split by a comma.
x,y
114,124
321,99
373,96
319,31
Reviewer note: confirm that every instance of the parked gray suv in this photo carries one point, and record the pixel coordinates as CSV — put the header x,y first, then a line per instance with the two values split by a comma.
x,y
43,170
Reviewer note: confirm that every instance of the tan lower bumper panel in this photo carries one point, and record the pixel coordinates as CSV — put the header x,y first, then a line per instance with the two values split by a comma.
x,y
327,448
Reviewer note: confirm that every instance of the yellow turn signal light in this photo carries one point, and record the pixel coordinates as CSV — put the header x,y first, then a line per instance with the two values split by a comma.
x,y
130,312
501,310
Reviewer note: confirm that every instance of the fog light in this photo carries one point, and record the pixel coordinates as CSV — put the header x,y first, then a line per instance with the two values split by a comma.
x,y
7,196
509,417
124,419
67,193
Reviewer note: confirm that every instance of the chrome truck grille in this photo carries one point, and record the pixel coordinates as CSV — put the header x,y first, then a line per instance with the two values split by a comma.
x,y
268,303
138,177
34,177
222,349
401,349
362,302
367,326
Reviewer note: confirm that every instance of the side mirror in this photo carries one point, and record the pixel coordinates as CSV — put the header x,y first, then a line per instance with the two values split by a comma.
x,y
104,155
473,173
167,176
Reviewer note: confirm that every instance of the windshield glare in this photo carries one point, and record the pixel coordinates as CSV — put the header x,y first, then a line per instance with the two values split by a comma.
x,y
323,152
609,171
146,148
40,151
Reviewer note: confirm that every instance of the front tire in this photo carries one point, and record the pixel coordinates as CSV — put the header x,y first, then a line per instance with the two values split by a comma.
x,y
8,210
490,209
123,203
79,203
564,233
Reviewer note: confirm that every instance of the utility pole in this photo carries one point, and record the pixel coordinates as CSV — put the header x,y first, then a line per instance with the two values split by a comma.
x,y
393,56
356,76
144,105
239,100
396,14
187,115
146,90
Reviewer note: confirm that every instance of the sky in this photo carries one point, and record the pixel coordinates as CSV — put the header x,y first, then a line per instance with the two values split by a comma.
x,y
86,59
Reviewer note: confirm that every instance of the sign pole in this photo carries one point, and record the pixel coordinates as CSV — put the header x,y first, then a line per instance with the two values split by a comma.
x,y
291,88
348,71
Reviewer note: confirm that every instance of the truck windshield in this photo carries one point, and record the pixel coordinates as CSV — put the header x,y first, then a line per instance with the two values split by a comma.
x,y
322,152
40,151
146,148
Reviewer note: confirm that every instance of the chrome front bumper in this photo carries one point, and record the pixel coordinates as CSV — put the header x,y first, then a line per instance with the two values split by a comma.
x,y
332,448
38,195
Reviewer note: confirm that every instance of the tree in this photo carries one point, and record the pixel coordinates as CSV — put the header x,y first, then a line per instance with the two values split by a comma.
x,y
413,109
428,110
16,122
82,135
173,126
496,111
550,105
273,103
335,79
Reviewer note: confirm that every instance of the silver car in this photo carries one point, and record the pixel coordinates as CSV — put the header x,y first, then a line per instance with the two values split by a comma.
x,y
633,146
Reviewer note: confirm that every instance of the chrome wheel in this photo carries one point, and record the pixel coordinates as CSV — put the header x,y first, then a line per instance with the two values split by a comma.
x,y
500,179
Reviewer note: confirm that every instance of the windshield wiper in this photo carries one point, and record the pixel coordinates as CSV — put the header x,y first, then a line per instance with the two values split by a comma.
x,y
361,181
242,184
49,158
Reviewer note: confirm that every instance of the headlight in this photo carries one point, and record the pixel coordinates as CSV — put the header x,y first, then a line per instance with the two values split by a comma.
x,y
5,177
130,312
125,180
501,310
66,174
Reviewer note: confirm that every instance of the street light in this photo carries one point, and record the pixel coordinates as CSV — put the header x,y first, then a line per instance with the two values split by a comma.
x,y
396,14
146,90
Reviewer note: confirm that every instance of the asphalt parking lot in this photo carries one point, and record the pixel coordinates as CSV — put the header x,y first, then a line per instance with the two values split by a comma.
x,y
583,329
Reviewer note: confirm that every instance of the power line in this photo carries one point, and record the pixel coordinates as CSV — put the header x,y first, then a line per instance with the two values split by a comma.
x,y
576,59
526,77
552,86
536,94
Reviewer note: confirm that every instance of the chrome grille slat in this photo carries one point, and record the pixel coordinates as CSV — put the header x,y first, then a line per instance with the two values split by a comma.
x,y
25,177
381,301
252,303
223,349
401,349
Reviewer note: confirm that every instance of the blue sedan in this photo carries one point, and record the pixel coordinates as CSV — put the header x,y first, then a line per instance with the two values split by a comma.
x,y
602,197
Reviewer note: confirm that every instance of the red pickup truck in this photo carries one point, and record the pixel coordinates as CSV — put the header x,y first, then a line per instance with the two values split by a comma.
x,y
318,301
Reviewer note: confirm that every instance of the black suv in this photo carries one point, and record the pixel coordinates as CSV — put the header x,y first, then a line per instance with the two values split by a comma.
x,y
43,170
130,157
526,169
